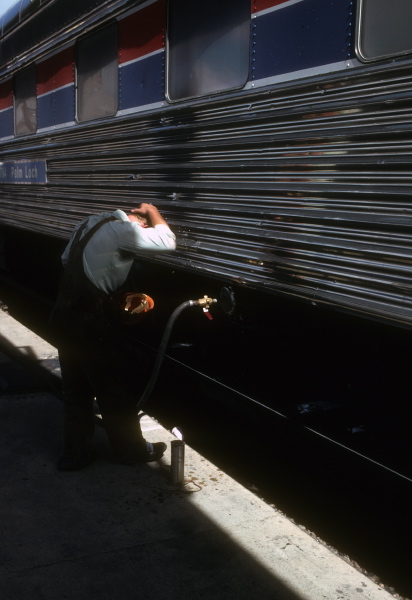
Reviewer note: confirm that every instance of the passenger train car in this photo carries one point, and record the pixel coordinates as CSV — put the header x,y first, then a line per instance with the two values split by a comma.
x,y
274,135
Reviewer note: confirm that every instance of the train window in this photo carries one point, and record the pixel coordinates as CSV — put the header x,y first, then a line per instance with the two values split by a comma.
x,y
25,102
384,28
208,46
97,75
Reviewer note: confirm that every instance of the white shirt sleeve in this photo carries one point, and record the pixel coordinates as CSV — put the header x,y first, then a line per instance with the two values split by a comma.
x,y
133,238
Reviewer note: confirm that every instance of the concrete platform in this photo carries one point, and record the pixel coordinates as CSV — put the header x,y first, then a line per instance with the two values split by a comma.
x,y
116,532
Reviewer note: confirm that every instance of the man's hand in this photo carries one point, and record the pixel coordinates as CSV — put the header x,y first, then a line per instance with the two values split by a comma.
x,y
150,213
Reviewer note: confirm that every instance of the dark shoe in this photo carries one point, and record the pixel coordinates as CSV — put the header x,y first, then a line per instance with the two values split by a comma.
x,y
134,456
74,463
153,452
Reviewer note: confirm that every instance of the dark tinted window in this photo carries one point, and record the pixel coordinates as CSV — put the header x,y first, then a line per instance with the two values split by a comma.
x,y
97,75
208,46
25,102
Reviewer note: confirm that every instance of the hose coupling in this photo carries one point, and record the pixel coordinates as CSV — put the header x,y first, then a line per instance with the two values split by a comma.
x,y
205,302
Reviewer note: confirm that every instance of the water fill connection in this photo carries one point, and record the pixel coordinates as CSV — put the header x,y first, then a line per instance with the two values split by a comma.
x,y
178,445
205,303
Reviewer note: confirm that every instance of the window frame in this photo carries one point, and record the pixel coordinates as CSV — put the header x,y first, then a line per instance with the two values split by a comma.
x,y
360,18
78,76
229,88
18,99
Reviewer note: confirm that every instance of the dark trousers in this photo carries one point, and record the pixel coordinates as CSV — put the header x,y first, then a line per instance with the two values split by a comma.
x,y
115,377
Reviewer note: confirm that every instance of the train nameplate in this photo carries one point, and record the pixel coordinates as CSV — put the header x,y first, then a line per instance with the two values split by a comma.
x,y
23,171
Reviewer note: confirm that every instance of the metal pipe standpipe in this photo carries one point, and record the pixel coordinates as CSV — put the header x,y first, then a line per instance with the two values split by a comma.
x,y
177,464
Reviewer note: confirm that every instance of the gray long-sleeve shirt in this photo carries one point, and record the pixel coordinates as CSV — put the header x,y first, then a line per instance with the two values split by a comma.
x,y
109,254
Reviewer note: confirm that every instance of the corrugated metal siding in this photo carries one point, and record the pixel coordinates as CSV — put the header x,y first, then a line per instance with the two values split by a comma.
x,y
301,190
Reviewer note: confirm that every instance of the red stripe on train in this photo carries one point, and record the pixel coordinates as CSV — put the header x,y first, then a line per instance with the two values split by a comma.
x,y
6,94
258,5
56,71
142,32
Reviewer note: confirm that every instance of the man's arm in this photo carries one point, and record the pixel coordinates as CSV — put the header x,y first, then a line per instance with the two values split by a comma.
x,y
154,235
150,213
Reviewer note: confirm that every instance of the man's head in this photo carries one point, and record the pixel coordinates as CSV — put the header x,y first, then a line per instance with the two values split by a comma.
x,y
137,219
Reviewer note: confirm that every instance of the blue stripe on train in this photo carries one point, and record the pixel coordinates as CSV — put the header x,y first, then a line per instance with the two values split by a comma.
x,y
56,107
6,123
301,36
141,82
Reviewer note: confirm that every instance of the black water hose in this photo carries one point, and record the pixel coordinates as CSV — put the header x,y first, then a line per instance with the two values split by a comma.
x,y
162,349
